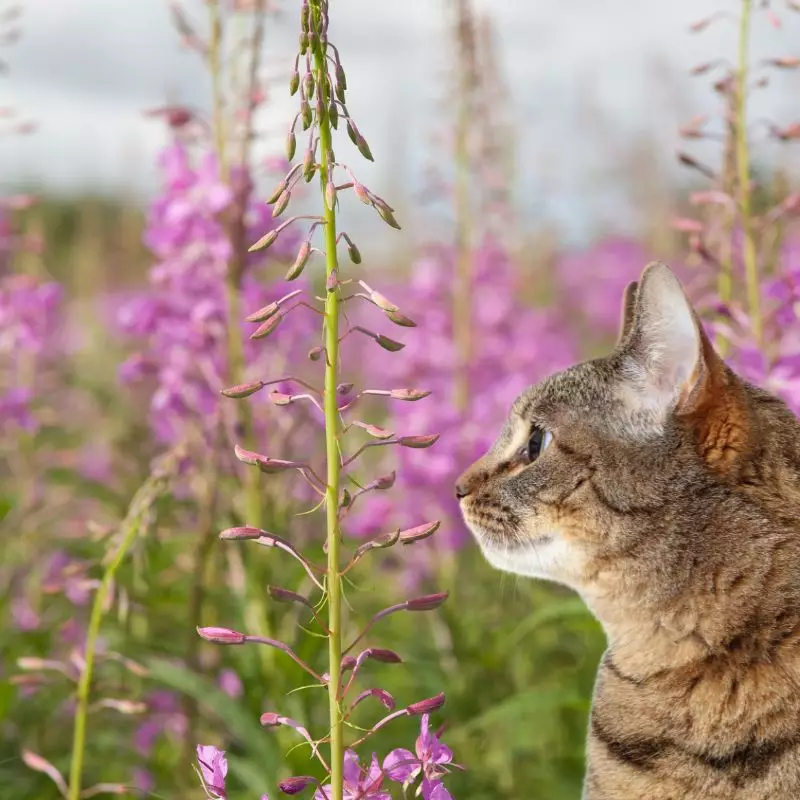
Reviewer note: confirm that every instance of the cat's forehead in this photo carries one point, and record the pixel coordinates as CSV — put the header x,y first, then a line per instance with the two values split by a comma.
x,y
582,389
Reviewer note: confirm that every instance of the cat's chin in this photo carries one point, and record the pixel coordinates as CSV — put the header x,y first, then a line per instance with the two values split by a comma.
x,y
548,557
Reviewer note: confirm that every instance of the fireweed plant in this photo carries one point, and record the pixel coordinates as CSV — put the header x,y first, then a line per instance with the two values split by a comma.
x,y
322,92
742,232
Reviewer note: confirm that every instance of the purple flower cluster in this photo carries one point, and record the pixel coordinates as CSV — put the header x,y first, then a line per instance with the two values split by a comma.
x,y
181,321
29,320
511,347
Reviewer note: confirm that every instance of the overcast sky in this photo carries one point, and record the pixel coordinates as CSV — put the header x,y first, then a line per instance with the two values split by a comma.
x,y
85,69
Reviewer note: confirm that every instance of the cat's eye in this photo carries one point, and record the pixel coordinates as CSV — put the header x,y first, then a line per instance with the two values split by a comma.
x,y
537,444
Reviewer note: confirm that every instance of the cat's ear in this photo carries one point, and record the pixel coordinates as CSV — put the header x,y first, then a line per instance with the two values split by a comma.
x,y
628,307
663,346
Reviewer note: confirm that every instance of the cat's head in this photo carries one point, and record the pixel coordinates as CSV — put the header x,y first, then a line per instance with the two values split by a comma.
x,y
595,462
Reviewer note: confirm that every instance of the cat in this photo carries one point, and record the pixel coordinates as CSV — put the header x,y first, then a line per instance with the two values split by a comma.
x,y
666,491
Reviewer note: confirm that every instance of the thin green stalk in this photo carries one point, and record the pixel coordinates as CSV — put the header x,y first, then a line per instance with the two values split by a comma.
x,y
743,168
141,503
332,430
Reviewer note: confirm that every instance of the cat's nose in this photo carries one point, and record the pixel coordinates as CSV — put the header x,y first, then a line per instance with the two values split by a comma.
x,y
462,490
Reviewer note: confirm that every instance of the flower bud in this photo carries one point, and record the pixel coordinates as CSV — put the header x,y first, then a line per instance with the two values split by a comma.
x,y
341,78
428,602
281,203
411,535
270,719
351,132
277,192
333,115
332,281
279,398
426,706
264,242
383,655
288,596
294,82
339,92
263,313
243,532
303,42
309,85
401,319
305,114
383,303
374,430
300,261
344,388
330,195
387,217
409,395
418,442
291,145
309,165
353,252
388,344
315,353
363,148
347,498
296,785
222,635
266,328
361,193
243,390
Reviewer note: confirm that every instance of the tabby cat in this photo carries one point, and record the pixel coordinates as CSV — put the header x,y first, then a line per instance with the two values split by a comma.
x,y
666,491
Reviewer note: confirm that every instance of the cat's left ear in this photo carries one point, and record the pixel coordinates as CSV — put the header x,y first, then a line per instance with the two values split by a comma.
x,y
665,352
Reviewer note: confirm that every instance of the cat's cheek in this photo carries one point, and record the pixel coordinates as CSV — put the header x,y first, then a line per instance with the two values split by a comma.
x,y
550,558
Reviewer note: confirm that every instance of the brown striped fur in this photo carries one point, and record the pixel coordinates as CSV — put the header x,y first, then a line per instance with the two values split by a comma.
x,y
669,498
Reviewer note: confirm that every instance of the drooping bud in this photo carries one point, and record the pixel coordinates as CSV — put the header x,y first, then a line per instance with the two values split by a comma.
x,y
309,85
291,145
277,191
264,242
361,193
418,442
294,82
281,203
305,114
330,195
266,328
347,498
383,697
243,390
388,344
409,395
380,654
241,533
309,165
296,785
426,706
339,92
279,398
333,115
784,62
380,300
373,430
222,635
341,78
363,148
387,217
351,132
401,319
300,261
420,532
315,353
286,596
344,388
332,281
384,482
353,252
304,36
428,602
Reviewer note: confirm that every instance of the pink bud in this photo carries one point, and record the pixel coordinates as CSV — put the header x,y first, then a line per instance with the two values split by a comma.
x,y
426,706
270,719
244,532
266,328
382,302
411,535
427,602
344,388
264,242
332,281
418,442
330,195
374,430
263,313
388,344
243,390
409,395
222,635
291,145
279,398
785,62
300,261
382,483
296,785
382,655
361,193
315,353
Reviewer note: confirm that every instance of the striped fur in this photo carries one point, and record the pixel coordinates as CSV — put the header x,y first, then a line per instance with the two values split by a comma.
x,y
670,500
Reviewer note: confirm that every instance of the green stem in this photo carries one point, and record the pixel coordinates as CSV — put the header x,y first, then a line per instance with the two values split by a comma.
x,y
332,430
143,500
743,168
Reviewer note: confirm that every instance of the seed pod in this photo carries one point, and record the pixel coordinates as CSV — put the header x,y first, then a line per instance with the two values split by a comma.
x,y
291,145
281,203
309,84
264,242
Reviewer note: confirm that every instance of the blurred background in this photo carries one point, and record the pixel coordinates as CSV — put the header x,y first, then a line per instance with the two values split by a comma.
x,y
537,157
